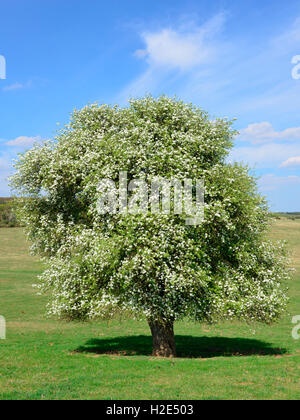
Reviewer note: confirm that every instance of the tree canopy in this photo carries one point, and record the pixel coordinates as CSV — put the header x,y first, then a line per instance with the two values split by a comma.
x,y
155,265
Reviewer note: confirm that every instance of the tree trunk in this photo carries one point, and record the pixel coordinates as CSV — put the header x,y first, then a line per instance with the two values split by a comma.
x,y
163,338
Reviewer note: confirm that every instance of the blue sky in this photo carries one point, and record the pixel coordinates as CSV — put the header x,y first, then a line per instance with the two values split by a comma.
x,y
232,58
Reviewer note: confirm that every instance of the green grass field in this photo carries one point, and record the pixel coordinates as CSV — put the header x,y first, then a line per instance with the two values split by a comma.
x,y
48,359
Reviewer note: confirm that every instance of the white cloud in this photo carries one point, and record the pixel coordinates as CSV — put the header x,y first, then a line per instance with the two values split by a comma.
x,y
292,161
264,132
272,182
173,52
267,147
23,141
168,48
17,86
183,49
14,86
265,155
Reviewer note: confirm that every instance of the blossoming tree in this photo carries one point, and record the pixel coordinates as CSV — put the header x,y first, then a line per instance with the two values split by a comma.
x,y
155,265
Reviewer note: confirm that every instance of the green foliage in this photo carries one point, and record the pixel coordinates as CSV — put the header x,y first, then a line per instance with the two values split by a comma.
x,y
152,264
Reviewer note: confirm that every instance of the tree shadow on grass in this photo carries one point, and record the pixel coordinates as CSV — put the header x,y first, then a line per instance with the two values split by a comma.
x,y
187,346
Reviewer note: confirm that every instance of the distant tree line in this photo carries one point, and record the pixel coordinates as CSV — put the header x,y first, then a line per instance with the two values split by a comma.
x,y
288,215
7,214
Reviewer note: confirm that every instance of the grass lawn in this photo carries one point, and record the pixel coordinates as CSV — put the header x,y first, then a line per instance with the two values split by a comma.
x,y
48,359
